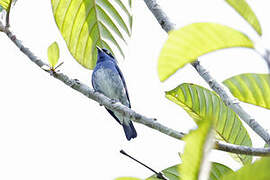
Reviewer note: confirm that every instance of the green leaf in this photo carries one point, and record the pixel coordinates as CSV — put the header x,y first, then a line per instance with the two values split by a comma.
x,y
5,3
258,170
185,45
53,54
127,178
200,104
172,173
85,24
217,171
251,88
199,143
242,7
127,11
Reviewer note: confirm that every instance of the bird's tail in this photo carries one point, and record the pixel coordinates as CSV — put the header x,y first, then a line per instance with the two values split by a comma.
x,y
129,129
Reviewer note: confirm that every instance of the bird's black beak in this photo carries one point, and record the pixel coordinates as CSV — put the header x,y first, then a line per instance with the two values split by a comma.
x,y
99,49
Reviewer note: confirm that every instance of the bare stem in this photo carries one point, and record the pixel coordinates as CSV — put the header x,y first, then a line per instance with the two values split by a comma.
x,y
167,25
8,14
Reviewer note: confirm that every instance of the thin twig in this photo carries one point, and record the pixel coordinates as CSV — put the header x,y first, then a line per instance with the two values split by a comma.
x,y
125,111
167,25
159,175
8,14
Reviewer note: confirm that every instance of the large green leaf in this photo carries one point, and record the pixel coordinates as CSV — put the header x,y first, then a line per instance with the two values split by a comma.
x,y
256,171
5,3
242,7
217,171
251,88
87,23
188,43
200,103
199,142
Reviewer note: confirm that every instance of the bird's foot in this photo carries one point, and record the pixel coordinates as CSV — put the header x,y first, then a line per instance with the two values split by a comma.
x,y
113,101
77,81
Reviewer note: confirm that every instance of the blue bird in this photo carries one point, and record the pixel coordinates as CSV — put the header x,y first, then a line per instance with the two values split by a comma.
x,y
108,79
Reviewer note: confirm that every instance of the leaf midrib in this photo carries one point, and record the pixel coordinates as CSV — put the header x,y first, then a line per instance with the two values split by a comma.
x,y
99,34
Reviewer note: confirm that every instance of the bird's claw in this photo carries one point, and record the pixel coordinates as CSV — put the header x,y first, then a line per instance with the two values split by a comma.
x,y
77,81
113,101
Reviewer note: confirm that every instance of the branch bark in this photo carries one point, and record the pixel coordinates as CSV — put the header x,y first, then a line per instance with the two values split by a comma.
x,y
167,25
241,149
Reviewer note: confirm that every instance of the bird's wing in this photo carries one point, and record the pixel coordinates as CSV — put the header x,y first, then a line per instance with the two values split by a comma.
x,y
92,80
113,115
124,82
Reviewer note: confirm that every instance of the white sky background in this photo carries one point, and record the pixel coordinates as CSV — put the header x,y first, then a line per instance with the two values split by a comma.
x,y
49,131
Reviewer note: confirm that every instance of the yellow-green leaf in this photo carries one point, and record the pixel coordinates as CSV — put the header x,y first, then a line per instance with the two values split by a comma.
x,y
200,104
85,24
218,171
53,54
195,165
172,173
242,7
251,88
5,3
186,44
256,171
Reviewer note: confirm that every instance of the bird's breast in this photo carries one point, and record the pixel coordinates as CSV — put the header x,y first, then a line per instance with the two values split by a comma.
x,y
108,82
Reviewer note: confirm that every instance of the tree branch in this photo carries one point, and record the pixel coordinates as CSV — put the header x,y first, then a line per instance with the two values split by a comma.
x,y
96,96
125,111
230,102
167,25
233,148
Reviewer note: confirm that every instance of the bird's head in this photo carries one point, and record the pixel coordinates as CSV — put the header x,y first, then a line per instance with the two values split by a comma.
x,y
104,54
